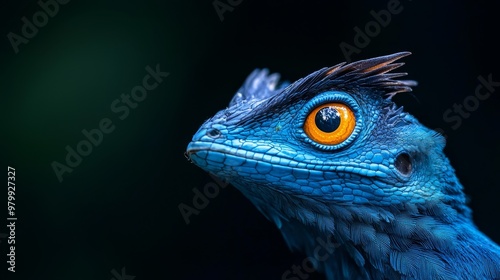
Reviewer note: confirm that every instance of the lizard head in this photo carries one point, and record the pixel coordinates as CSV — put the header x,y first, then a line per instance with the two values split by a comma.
x,y
331,157
332,140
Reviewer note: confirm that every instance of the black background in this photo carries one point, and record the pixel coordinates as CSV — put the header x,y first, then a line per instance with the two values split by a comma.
x,y
119,207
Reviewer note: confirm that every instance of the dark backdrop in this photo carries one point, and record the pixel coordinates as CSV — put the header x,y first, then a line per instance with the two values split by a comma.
x,y
116,213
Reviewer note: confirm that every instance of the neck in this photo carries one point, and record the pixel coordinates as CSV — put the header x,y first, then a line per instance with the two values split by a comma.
x,y
424,241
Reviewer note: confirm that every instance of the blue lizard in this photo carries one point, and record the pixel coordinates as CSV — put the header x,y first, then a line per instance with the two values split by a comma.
x,y
331,157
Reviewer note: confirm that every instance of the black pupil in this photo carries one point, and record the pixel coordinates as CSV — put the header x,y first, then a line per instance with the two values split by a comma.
x,y
327,119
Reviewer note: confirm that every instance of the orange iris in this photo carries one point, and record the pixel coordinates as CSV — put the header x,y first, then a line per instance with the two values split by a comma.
x,y
330,124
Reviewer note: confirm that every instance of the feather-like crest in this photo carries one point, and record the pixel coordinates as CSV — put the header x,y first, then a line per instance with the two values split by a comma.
x,y
371,73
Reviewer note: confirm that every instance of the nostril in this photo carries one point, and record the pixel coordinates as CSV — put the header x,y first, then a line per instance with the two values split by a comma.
x,y
403,164
214,133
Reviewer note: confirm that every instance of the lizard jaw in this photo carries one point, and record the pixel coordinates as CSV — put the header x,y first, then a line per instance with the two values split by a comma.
x,y
247,168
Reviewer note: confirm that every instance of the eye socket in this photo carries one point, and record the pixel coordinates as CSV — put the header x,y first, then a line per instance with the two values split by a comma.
x,y
330,123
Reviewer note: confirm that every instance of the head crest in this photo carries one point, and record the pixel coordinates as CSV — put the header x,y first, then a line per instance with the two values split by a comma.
x,y
370,73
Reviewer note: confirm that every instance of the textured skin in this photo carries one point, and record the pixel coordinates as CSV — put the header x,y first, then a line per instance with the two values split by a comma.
x,y
385,225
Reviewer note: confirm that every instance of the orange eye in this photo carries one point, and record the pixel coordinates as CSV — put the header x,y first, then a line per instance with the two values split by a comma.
x,y
330,124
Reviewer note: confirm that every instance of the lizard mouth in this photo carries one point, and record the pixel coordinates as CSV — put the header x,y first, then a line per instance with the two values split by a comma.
x,y
228,155
214,156
247,169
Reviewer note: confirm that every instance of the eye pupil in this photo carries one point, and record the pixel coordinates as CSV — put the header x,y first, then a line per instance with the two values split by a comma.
x,y
327,119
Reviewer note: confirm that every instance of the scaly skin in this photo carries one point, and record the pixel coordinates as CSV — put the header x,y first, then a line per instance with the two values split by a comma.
x,y
389,218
